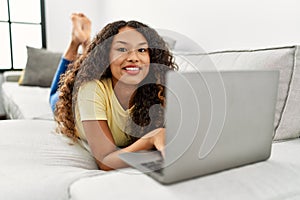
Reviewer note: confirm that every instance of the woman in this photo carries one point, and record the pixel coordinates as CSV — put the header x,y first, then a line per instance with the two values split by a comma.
x,y
112,96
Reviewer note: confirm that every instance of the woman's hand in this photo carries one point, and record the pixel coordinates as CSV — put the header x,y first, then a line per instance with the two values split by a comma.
x,y
157,139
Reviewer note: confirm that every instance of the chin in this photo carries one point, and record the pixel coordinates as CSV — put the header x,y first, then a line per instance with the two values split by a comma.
x,y
132,80
129,82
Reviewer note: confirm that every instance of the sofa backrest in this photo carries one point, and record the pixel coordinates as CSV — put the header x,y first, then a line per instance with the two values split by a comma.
x,y
285,59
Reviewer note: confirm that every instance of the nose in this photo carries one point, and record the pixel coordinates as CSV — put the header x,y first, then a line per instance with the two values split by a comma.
x,y
132,56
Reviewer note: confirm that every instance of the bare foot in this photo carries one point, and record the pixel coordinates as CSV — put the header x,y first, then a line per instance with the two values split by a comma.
x,y
81,31
81,28
86,26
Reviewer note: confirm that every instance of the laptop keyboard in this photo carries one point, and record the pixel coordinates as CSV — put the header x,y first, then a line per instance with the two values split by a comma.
x,y
155,166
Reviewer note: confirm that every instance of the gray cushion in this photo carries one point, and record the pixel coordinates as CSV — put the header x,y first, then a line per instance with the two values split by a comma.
x,y
40,67
285,59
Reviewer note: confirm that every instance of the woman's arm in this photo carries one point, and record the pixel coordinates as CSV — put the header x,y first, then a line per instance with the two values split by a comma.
x,y
101,142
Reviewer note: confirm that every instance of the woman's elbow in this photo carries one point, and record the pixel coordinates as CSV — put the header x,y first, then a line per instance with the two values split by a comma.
x,y
103,167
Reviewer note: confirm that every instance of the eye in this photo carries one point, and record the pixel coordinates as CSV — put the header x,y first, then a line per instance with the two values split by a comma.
x,y
122,49
142,50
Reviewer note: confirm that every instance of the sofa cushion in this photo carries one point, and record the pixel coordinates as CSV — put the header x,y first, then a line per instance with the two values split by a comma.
x,y
276,178
285,59
36,142
26,102
40,67
37,163
289,126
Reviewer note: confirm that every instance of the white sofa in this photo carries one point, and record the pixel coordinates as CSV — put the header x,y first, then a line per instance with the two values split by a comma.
x,y
26,102
37,163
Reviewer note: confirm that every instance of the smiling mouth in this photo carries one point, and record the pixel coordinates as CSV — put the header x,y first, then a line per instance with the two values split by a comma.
x,y
131,68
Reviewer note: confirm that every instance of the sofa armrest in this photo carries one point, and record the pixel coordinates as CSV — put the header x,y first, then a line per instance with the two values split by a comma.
x,y
12,76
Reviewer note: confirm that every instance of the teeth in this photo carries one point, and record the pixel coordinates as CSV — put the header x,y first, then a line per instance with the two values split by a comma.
x,y
132,68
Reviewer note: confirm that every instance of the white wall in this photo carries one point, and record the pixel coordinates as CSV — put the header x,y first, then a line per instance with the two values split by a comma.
x,y
58,23
213,24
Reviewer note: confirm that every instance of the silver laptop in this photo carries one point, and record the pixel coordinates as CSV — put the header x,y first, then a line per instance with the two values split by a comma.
x,y
214,121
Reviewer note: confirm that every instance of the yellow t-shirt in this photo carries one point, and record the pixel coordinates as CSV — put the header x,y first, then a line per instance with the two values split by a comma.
x,y
97,101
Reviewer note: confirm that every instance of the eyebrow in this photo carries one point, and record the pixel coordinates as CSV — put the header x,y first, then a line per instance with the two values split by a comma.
x,y
123,42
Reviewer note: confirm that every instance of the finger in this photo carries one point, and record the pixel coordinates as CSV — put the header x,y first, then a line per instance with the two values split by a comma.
x,y
162,151
160,147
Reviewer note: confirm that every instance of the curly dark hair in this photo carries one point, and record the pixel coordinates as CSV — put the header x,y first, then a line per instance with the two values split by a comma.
x,y
147,101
